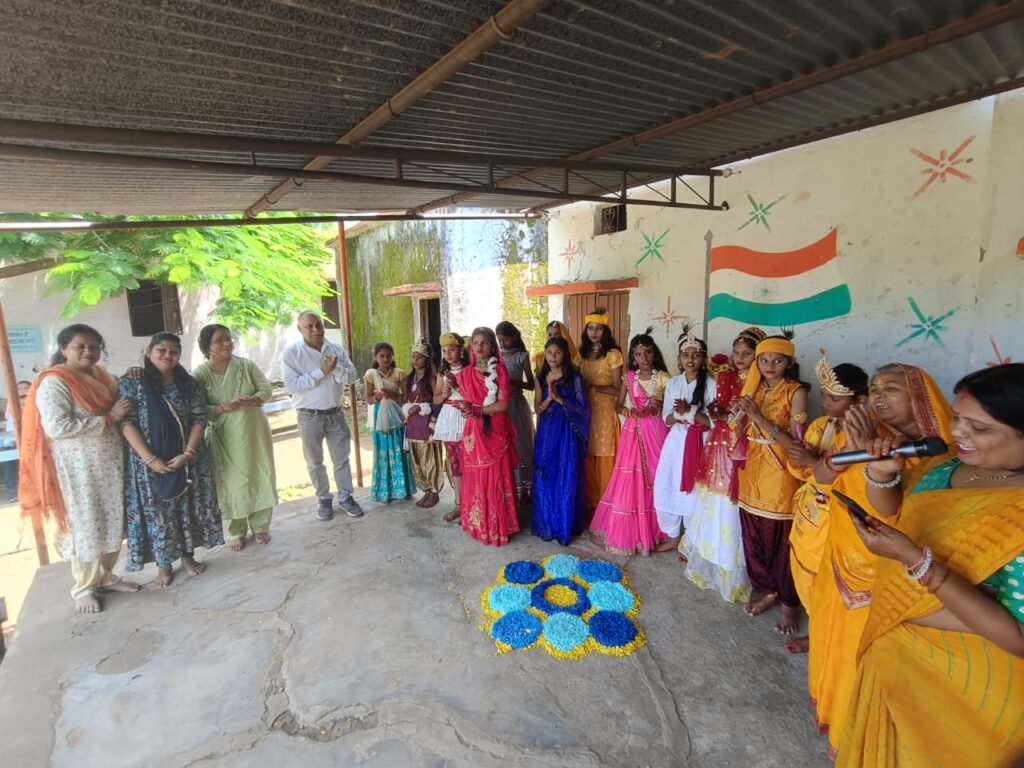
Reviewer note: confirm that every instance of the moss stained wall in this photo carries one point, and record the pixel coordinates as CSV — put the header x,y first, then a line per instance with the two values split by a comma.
x,y
396,254
408,252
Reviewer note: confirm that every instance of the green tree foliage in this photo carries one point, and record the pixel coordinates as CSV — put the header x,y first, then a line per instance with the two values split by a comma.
x,y
265,274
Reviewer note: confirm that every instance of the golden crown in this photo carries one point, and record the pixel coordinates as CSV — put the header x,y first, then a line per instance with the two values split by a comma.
x,y
828,380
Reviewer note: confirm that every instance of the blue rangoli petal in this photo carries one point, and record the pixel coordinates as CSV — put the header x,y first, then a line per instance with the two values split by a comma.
x,y
523,572
612,630
517,629
565,632
508,597
599,570
611,596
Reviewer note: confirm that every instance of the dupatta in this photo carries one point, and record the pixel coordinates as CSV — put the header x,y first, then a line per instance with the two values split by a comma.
x,y
167,439
974,531
38,489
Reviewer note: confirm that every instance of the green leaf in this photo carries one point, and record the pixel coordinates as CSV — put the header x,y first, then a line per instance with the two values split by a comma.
x,y
90,293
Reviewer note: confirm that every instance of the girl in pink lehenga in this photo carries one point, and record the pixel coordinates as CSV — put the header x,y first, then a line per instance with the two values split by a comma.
x,y
488,505
625,519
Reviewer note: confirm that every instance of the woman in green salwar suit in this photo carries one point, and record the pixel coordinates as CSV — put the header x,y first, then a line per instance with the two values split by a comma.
x,y
238,437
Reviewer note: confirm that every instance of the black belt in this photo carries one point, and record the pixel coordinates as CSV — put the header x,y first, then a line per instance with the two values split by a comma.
x,y
318,412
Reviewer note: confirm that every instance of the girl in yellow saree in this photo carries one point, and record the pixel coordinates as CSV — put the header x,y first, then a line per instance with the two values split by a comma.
x,y
941,662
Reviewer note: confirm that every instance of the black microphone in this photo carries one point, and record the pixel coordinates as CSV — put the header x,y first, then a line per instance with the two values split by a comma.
x,y
929,446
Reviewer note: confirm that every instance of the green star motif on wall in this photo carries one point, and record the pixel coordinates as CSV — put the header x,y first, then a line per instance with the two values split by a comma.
x,y
929,326
652,248
759,212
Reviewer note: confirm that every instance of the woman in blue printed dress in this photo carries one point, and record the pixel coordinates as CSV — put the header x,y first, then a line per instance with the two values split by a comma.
x,y
170,501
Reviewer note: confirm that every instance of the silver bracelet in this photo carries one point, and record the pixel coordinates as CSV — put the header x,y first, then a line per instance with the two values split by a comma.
x,y
875,484
926,565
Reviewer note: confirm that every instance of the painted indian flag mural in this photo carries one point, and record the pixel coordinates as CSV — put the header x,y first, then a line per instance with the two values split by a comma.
x,y
778,289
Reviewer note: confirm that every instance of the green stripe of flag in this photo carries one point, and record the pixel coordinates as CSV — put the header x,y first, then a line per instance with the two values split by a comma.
x,y
834,302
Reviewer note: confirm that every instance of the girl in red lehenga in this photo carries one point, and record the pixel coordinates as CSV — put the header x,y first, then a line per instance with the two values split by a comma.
x,y
712,546
488,504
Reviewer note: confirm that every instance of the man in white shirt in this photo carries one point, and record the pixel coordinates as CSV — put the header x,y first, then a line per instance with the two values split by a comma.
x,y
316,372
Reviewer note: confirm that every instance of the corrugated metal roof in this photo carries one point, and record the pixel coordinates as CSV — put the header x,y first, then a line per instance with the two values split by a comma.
x,y
575,78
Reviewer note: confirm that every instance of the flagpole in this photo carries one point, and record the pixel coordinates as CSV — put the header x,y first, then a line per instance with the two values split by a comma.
x,y
708,237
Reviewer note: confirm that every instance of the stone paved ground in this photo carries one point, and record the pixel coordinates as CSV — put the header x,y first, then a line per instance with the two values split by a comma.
x,y
357,642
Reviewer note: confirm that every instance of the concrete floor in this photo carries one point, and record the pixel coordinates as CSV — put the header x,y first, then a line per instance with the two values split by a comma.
x,y
357,642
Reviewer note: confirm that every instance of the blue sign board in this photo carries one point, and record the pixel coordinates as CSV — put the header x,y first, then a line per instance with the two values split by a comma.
x,y
25,339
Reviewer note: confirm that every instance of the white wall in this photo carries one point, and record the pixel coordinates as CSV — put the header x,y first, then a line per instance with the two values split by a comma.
x,y
27,302
952,247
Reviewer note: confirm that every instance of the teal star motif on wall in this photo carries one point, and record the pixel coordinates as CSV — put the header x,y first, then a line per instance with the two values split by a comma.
x,y
759,212
652,248
930,327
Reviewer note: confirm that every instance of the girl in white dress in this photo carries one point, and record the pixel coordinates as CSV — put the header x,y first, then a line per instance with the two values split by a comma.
x,y
687,398
450,421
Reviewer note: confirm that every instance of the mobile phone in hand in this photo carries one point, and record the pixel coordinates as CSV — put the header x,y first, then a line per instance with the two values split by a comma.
x,y
855,509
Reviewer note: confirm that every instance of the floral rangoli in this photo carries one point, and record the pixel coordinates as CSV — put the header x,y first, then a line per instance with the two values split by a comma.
x,y
567,606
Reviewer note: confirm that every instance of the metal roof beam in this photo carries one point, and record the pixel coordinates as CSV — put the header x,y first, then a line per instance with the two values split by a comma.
x,y
122,138
120,161
979,22
500,26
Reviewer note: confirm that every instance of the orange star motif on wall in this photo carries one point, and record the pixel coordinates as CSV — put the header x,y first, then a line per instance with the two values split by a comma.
x,y
941,166
1000,360
570,253
669,316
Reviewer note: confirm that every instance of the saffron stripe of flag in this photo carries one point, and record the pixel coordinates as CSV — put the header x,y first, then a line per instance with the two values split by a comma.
x,y
777,264
833,302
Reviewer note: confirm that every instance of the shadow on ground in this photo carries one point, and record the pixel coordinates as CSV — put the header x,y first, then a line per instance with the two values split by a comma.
x,y
357,642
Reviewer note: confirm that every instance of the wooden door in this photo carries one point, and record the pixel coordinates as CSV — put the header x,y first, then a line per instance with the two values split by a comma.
x,y
579,305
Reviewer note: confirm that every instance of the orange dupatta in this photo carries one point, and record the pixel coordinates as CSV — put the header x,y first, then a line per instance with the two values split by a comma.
x,y
38,489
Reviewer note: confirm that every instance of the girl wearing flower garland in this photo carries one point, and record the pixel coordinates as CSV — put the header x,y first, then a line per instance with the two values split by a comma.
x,y
451,424
488,504
601,367
563,425
712,546
392,470
687,397
841,387
517,362
625,518
774,401
426,453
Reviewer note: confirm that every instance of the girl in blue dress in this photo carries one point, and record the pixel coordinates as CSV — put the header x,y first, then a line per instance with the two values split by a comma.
x,y
563,426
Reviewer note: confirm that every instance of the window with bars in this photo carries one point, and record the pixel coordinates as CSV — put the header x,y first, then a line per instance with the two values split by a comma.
x,y
152,308
611,218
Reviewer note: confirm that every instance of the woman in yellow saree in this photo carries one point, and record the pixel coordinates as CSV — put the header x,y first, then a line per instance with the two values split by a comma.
x,y
941,662
905,402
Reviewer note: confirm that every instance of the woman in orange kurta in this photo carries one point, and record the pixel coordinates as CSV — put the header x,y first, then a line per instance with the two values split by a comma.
x,y
841,387
775,402
941,663
601,367
907,403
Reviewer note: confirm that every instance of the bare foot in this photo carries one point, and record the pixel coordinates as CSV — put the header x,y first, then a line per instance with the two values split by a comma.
x,y
759,606
668,546
422,498
237,545
121,586
192,568
431,500
88,604
797,645
164,577
262,538
789,624
452,516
